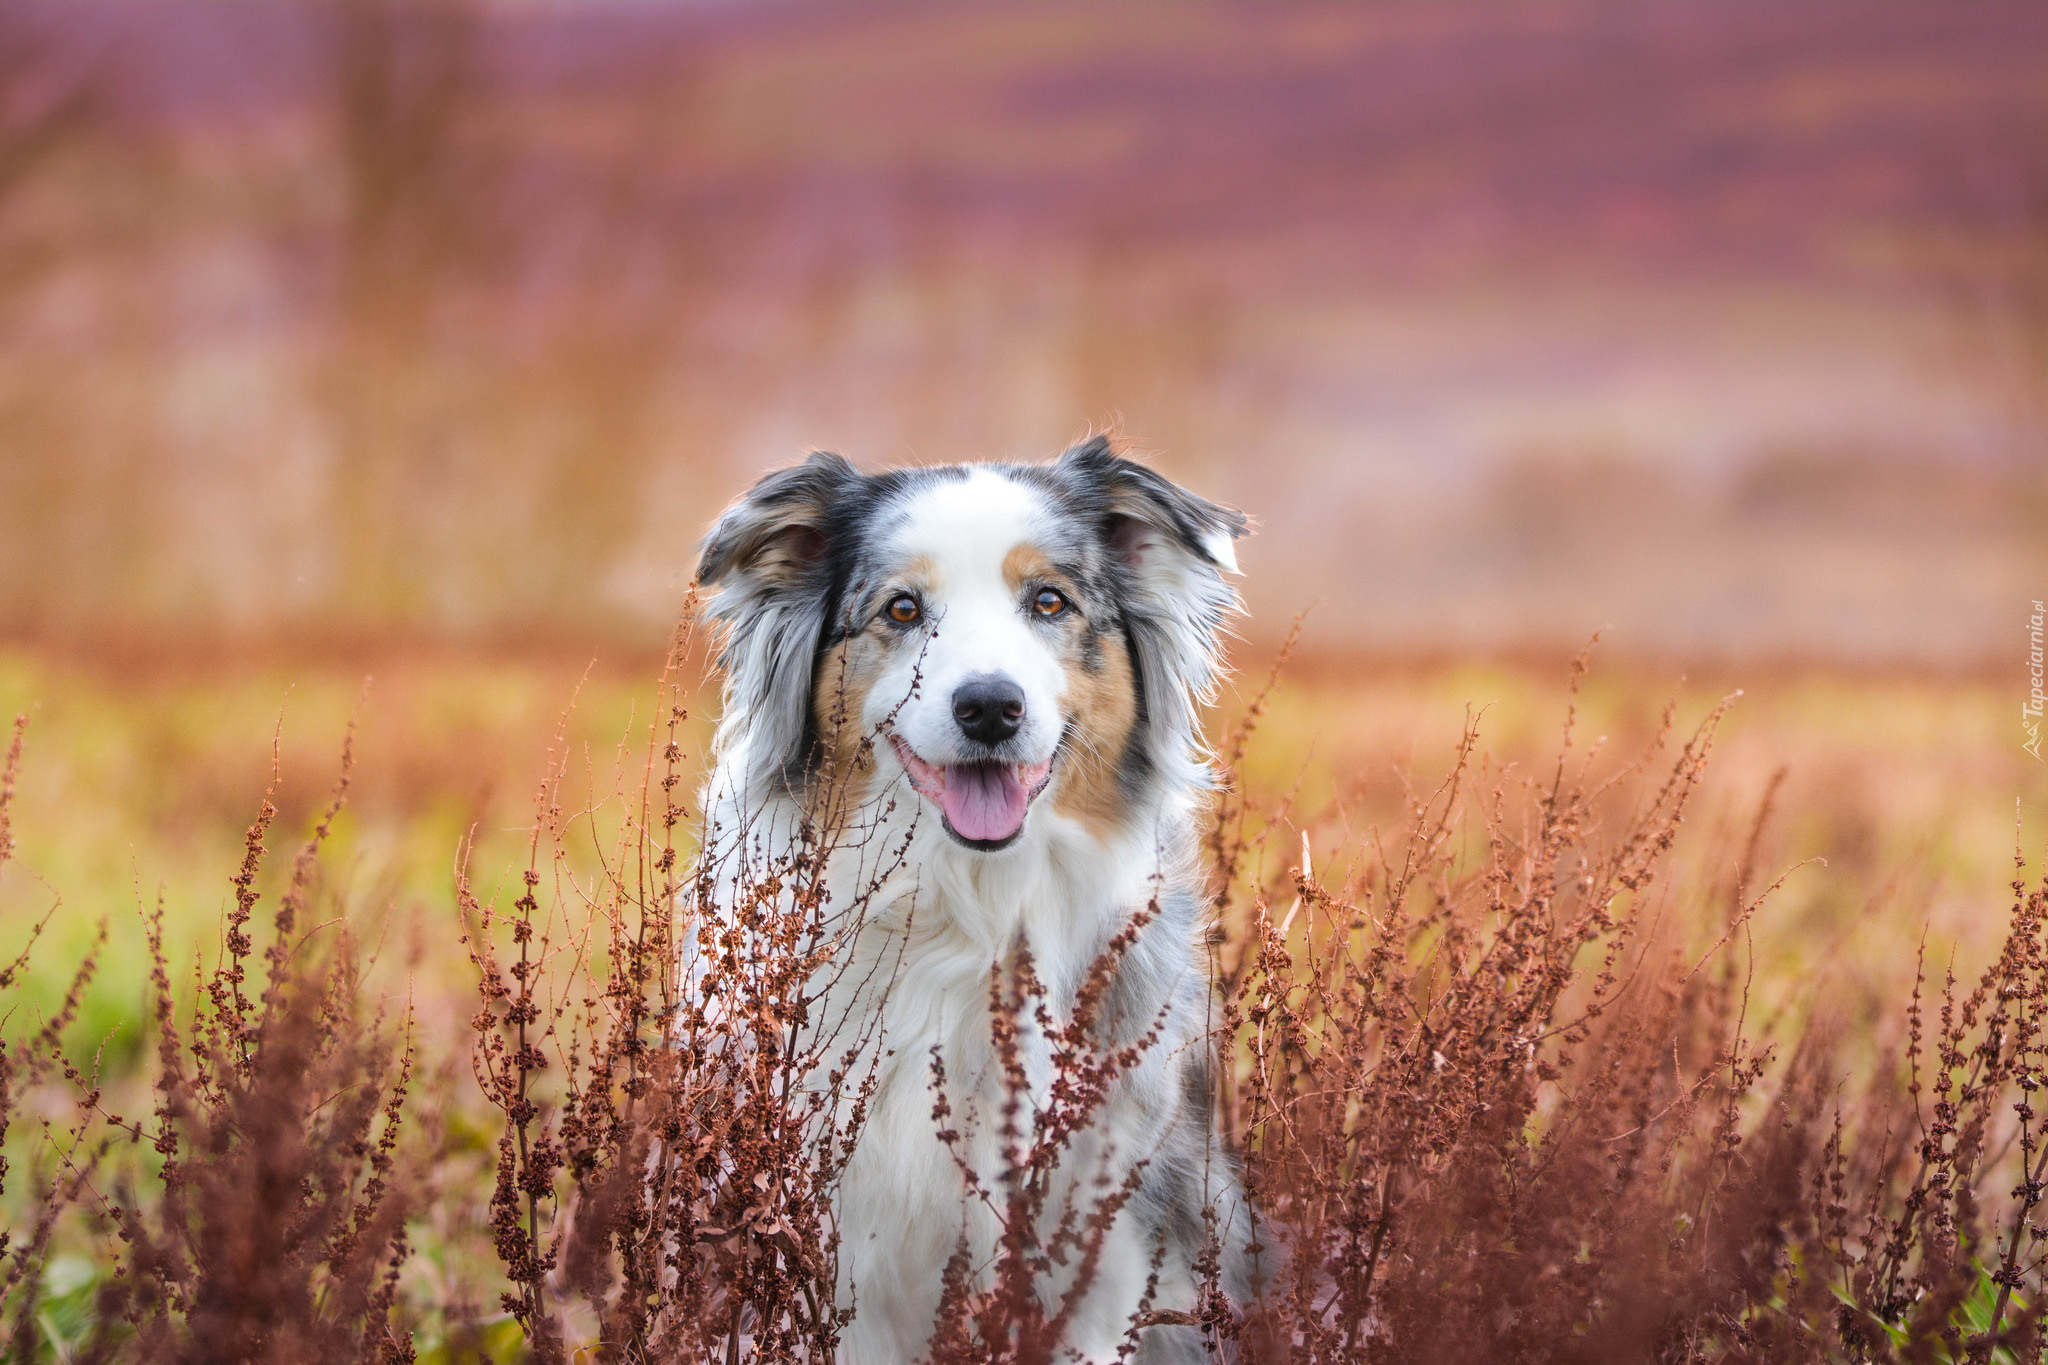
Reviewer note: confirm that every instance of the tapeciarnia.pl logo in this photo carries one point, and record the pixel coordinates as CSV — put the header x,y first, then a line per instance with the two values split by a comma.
x,y
2030,714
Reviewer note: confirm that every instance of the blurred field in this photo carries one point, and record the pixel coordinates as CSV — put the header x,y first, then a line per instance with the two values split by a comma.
x,y
1719,323
140,780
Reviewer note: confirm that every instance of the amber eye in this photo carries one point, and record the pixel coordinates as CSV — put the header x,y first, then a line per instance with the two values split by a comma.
x,y
903,610
1049,602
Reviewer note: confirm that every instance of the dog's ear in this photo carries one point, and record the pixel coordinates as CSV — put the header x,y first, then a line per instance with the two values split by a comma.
x,y
1169,550
770,557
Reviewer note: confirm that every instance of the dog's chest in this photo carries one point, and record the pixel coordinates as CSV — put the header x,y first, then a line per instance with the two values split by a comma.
x,y
957,952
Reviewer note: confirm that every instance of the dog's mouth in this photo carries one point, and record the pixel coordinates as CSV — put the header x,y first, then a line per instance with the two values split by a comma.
x,y
983,804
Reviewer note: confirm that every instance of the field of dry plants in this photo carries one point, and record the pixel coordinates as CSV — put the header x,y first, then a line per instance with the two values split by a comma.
x,y
1562,1023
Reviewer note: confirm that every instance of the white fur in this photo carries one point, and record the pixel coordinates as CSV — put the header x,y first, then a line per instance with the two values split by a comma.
x,y
963,530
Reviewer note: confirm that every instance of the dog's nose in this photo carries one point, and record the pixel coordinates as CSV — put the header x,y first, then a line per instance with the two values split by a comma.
x,y
988,708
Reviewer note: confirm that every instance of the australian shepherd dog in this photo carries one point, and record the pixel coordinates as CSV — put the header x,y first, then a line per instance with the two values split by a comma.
x,y
1026,648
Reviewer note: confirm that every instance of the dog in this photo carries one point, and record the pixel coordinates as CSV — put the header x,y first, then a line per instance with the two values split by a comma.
x,y
1025,648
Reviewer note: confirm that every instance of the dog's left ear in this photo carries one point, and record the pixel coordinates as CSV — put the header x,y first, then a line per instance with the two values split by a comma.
x,y
1169,550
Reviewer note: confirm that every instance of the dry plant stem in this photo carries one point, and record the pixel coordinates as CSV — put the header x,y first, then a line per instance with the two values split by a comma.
x,y
9,771
509,1028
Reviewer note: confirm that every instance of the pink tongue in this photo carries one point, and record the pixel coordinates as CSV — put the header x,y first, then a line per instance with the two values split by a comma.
x,y
984,800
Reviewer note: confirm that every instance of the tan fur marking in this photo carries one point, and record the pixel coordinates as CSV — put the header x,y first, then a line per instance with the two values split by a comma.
x,y
1027,564
1102,707
845,677
919,572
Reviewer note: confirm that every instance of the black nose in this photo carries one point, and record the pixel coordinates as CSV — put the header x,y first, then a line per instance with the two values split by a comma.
x,y
989,708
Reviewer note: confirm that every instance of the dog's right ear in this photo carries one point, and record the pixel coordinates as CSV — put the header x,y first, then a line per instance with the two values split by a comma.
x,y
769,557
778,529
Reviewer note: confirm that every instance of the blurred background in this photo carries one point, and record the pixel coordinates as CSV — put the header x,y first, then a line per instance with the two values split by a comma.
x,y
422,339
1722,324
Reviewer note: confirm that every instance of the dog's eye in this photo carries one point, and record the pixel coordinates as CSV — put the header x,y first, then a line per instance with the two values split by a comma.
x,y
1049,602
903,610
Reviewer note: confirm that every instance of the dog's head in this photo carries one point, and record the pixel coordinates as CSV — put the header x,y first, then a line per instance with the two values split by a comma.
x,y
1010,632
